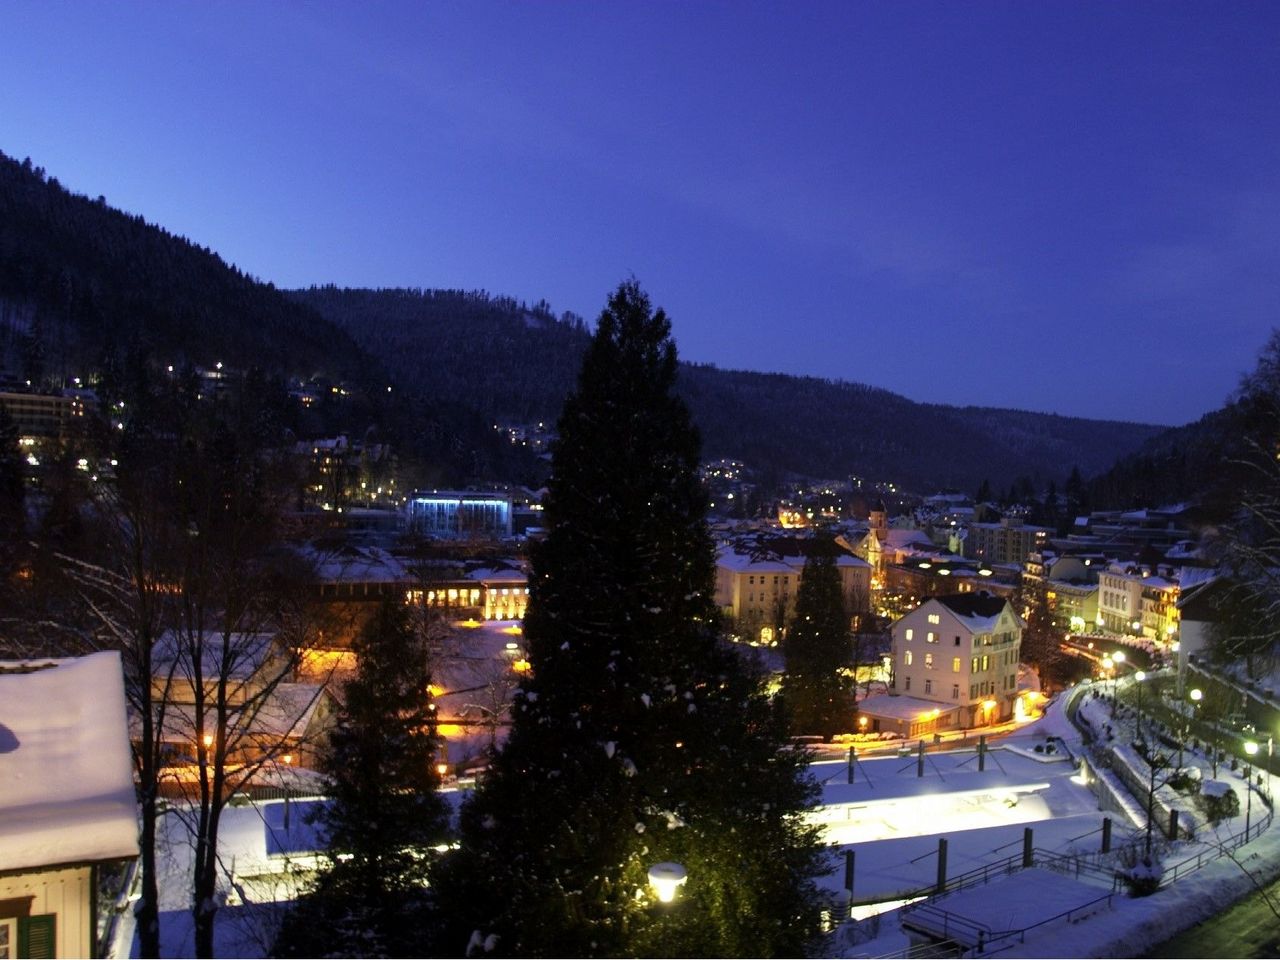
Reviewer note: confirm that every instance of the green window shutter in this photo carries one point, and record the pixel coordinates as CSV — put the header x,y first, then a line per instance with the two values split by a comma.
x,y
36,937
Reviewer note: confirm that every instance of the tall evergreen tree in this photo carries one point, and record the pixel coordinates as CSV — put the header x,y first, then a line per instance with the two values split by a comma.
x,y
817,647
638,737
384,812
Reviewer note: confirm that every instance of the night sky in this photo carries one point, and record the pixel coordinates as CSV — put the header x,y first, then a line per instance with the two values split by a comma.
x,y
1068,207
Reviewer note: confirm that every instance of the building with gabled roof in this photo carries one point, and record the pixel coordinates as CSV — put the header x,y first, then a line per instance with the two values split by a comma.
x,y
757,581
960,651
67,803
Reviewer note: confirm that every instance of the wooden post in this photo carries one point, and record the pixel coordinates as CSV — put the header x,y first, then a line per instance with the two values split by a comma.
x,y
848,877
982,752
920,759
1106,834
942,864
1026,847
1173,824
852,754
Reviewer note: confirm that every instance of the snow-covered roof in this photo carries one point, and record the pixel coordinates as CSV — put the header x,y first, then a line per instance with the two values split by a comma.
x,y
286,711
742,560
901,539
66,774
498,574
901,708
1190,577
359,564
237,656
978,611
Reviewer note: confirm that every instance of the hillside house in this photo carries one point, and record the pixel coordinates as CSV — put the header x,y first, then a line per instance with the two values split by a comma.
x,y
67,805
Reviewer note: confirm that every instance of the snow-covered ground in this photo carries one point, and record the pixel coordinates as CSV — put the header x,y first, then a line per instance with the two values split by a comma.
x,y
892,819
1127,926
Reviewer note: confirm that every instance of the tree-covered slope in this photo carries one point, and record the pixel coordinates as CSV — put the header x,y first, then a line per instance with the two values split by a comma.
x,y
518,363
78,278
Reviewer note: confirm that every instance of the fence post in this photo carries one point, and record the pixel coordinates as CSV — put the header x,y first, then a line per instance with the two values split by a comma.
x,y
848,877
1173,824
920,759
982,752
1026,846
1106,834
852,754
942,864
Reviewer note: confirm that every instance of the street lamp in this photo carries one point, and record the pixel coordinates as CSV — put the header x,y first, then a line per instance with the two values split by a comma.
x,y
666,879
1138,677
1251,748
1196,696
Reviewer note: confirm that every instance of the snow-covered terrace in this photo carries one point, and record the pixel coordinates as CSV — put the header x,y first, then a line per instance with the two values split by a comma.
x,y
66,773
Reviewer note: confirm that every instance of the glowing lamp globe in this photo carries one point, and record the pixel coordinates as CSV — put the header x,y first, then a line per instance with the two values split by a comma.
x,y
1250,747
666,879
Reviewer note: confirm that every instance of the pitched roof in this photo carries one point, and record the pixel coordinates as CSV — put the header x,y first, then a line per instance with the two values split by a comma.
x,y
978,604
66,774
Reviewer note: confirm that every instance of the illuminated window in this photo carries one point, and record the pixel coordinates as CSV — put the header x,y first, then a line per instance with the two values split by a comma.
x,y
930,638
910,633
928,660
934,618
906,659
955,664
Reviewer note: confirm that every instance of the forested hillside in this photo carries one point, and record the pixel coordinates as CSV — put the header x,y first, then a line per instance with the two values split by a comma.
x,y
83,286
518,363
1200,460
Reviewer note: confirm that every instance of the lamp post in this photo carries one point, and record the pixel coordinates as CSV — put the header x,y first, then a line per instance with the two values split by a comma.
x,y
666,879
1109,666
1138,677
1117,658
1250,748
1196,696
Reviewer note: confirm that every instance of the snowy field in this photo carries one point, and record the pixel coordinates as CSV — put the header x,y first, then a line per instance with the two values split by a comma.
x,y
890,817
1128,927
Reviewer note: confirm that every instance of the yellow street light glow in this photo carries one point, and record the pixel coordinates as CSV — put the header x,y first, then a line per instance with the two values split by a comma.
x,y
1197,695
1250,747
666,879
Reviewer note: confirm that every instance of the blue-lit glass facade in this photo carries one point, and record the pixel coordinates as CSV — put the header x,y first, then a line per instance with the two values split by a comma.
x,y
460,514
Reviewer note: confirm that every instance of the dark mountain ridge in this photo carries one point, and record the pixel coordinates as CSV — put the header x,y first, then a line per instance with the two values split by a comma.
x,y
516,363
83,284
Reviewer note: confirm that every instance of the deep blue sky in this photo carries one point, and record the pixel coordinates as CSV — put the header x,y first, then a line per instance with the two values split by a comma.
x,y
1068,207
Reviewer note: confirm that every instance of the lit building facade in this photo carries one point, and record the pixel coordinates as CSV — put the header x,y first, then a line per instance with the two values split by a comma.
x,y
459,514
1009,541
960,651
756,587
1120,599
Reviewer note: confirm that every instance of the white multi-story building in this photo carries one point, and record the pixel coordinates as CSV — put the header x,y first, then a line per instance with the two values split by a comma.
x,y
756,584
1120,599
960,651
